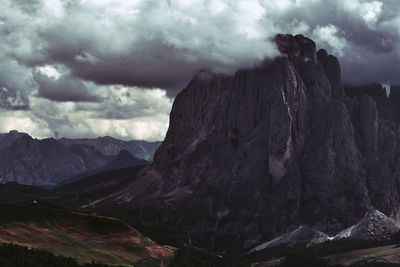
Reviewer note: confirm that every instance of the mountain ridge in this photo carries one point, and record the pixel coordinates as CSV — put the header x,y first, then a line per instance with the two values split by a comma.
x,y
49,162
268,149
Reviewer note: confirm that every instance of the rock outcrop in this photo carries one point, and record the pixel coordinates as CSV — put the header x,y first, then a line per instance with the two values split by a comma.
x,y
374,226
259,153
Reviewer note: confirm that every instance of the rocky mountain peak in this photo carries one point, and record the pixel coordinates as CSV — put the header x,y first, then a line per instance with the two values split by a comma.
x,y
8,138
14,132
268,149
295,46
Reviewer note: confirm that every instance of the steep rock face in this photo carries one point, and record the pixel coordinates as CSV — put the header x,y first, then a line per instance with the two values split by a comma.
x,y
257,154
395,98
375,117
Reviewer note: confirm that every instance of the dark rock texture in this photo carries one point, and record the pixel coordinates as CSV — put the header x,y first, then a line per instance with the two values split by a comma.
x,y
375,226
6,139
253,155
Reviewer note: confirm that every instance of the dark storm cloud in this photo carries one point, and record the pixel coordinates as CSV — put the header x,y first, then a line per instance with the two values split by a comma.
x,y
103,66
64,88
150,65
153,44
164,43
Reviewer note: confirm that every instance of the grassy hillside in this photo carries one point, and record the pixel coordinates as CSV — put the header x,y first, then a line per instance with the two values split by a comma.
x,y
85,238
18,256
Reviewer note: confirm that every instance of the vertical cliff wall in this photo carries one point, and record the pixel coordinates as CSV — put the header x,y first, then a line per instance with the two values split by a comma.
x,y
261,152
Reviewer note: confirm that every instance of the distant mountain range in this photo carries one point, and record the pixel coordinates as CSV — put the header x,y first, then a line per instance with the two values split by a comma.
x,y
50,162
111,146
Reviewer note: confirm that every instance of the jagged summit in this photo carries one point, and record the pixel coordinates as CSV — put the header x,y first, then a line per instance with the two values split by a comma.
x,y
268,149
7,138
295,46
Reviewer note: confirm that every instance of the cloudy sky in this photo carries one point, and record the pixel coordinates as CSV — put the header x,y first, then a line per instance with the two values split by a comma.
x,y
87,68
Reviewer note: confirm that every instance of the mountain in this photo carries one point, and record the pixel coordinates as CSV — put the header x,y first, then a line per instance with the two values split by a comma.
x,y
7,139
111,146
107,145
50,162
123,160
46,162
259,153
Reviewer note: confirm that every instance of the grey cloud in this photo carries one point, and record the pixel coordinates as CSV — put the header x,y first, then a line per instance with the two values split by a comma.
x,y
124,103
370,50
164,43
135,114
147,49
12,100
65,88
106,49
15,83
28,6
